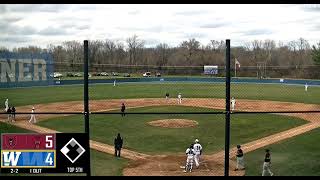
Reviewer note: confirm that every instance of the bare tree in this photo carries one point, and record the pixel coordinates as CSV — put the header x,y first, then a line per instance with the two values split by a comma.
x,y
120,53
4,49
135,46
162,54
190,47
74,53
108,52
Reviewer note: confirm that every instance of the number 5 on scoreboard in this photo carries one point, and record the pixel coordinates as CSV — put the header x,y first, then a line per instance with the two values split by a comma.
x,y
49,159
49,141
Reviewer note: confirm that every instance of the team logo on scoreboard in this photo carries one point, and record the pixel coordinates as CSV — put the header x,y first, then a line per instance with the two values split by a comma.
x,y
11,141
28,158
72,150
37,142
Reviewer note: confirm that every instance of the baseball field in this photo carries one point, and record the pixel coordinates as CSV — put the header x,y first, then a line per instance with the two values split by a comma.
x,y
155,144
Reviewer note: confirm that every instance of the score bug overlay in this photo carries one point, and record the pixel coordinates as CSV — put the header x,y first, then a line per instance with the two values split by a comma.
x,y
44,153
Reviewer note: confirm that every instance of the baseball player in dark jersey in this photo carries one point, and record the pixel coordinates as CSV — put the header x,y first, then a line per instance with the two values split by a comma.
x,y
13,110
167,97
267,163
118,142
123,108
9,111
240,160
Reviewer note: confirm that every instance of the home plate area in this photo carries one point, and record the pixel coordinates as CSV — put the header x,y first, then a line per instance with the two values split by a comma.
x,y
169,165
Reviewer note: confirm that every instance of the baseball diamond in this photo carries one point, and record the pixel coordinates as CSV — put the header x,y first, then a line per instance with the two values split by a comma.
x,y
156,150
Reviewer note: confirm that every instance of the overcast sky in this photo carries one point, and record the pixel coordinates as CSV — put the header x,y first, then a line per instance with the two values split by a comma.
x,y
40,25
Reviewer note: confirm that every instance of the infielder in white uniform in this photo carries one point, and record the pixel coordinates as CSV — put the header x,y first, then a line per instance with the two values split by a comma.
x,y
240,160
6,104
198,151
233,103
33,117
267,164
306,87
190,156
179,98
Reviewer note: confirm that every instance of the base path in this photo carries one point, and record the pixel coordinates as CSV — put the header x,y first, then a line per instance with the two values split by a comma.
x,y
144,164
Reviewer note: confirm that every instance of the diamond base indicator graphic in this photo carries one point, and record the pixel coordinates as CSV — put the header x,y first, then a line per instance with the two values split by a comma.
x,y
73,150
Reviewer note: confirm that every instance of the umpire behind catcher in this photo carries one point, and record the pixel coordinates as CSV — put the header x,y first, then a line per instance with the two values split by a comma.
x,y
118,141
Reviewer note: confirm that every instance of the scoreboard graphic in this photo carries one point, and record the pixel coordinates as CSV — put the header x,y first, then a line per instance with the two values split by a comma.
x,y
44,153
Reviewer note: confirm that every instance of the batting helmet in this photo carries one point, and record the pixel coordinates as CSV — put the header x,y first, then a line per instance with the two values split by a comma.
x,y
196,141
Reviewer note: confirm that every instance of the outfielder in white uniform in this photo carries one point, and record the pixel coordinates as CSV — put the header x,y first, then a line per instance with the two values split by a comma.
x,y
306,87
233,103
179,98
6,104
190,156
33,117
114,83
198,151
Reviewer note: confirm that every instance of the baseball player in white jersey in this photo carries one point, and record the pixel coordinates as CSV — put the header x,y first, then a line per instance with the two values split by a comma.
x,y
6,104
267,164
179,98
240,160
306,87
233,103
33,117
198,151
190,156
114,83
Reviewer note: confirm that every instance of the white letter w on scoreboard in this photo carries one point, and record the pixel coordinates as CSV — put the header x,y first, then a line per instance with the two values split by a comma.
x,y
10,157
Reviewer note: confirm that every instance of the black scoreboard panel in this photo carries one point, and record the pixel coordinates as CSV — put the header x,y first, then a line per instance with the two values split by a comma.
x,y
44,153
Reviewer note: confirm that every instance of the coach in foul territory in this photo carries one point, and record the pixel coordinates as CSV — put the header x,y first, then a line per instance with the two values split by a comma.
x,y
118,142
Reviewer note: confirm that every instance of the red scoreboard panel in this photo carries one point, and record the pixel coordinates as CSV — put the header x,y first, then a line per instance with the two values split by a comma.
x,y
28,141
44,153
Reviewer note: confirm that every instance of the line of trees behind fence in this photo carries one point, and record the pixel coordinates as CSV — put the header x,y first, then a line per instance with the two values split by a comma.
x,y
296,59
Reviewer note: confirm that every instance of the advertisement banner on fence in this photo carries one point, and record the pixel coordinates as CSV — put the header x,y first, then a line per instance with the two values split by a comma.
x,y
211,70
25,69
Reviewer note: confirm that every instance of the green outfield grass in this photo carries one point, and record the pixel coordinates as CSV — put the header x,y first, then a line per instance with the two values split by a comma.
x,y
40,95
102,164
140,136
297,156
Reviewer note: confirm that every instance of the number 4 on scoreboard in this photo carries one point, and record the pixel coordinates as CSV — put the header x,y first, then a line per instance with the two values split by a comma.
x,y
49,159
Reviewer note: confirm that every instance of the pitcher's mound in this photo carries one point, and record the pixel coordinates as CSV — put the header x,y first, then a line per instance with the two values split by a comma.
x,y
173,123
